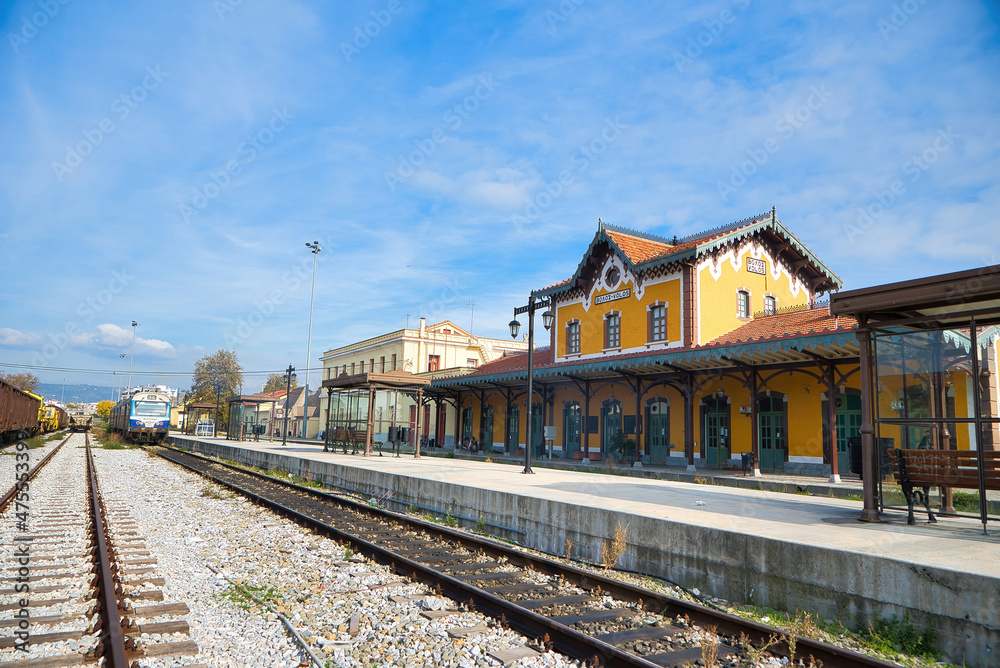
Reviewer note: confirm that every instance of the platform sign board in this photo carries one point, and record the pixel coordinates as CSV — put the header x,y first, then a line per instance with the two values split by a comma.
x,y
755,266
549,432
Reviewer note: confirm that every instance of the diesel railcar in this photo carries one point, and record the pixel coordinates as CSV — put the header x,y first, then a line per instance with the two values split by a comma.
x,y
143,416
19,411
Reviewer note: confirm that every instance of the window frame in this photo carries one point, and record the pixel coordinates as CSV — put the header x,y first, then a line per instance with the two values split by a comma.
x,y
651,322
573,337
615,329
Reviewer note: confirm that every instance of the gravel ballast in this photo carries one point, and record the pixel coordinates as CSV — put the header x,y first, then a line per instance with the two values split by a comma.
x,y
351,611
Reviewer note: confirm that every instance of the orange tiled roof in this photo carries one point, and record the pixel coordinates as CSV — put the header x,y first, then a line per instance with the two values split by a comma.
x,y
639,250
788,324
515,362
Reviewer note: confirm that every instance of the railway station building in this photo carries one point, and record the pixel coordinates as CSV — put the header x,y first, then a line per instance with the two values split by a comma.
x,y
695,352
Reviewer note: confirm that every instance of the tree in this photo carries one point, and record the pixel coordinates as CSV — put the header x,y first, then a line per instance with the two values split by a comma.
x,y
277,382
104,409
217,377
25,381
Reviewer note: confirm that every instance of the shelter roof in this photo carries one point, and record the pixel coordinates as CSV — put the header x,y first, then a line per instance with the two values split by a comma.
x,y
805,339
942,301
385,380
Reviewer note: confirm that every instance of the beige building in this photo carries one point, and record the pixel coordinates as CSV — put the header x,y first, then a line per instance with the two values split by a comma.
x,y
435,351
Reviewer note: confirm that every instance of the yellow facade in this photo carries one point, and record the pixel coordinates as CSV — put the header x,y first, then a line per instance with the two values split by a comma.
x,y
720,279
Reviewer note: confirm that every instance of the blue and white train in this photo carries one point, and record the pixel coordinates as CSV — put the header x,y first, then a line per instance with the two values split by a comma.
x,y
143,416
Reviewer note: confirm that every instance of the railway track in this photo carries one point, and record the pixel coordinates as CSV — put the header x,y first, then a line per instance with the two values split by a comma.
x,y
574,611
80,589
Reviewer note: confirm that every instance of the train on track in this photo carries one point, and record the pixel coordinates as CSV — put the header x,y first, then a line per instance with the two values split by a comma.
x,y
143,416
24,414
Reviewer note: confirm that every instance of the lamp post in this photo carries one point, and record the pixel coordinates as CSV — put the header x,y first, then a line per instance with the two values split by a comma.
x,y
132,359
290,376
314,249
217,384
547,319
118,391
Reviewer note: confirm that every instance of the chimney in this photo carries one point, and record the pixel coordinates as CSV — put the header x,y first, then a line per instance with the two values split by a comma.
x,y
423,327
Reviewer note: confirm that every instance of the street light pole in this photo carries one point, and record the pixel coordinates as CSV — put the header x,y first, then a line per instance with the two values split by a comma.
x,y
132,359
547,318
289,374
118,391
314,249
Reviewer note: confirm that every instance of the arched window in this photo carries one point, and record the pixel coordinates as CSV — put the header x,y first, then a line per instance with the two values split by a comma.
x,y
613,330
743,303
770,305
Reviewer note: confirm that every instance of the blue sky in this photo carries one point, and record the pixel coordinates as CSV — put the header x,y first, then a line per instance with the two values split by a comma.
x,y
167,162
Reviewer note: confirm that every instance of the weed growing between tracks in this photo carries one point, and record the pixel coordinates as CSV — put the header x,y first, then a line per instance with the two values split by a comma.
x,y
247,596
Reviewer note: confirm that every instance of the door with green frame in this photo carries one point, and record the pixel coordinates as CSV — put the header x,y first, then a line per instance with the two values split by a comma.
x,y
466,422
770,432
611,422
486,433
571,428
537,436
658,430
513,427
847,412
716,432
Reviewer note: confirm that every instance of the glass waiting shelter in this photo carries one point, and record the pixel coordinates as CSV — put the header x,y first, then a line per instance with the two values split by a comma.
x,y
930,432
374,408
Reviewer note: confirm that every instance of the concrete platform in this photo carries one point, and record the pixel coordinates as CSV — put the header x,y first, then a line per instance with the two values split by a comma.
x,y
785,551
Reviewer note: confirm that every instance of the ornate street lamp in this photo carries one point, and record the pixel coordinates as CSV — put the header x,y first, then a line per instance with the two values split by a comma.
x,y
547,319
290,376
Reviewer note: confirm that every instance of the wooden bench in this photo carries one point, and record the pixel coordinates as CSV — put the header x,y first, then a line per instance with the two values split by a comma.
x,y
919,470
346,437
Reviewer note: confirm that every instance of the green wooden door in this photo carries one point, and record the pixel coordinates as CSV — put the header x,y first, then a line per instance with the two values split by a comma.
x,y
467,422
847,409
716,431
537,411
658,432
486,442
571,429
611,420
513,427
770,422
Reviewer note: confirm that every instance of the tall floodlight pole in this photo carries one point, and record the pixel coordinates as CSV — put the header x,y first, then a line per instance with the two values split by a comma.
x,y
118,391
290,375
132,359
314,249
547,319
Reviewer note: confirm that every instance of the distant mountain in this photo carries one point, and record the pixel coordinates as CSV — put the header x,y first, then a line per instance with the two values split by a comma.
x,y
76,394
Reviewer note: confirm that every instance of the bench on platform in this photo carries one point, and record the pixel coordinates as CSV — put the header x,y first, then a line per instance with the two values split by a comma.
x,y
919,470
346,437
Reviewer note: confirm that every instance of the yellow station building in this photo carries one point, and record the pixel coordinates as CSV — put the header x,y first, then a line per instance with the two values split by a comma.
x,y
696,350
